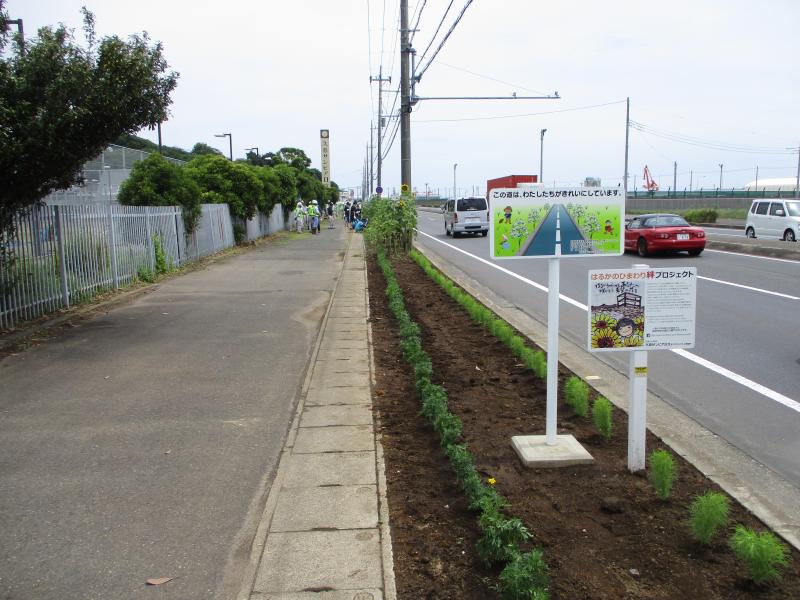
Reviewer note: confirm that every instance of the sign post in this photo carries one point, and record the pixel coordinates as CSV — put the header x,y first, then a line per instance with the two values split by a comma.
x,y
637,310
557,223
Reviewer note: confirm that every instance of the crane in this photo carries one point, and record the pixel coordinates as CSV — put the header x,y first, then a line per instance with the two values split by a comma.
x,y
649,184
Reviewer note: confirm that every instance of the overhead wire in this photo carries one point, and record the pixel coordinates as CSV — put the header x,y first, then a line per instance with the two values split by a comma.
x,y
419,75
514,85
701,143
416,25
438,27
536,114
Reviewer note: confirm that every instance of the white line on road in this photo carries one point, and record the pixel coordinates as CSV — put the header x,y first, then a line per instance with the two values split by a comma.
x,y
752,289
787,260
748,383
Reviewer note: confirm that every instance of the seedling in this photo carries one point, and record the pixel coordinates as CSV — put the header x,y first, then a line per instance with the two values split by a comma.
x,y
762,553
525,576
601,415
577,393
709,515
662,472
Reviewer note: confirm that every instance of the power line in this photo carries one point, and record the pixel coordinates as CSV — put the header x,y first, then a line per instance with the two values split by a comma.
x,y
441,45
419,16
438,27
490,78
536,114
693,141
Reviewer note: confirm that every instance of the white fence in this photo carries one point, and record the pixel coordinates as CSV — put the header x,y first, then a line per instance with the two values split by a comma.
x,y
66,254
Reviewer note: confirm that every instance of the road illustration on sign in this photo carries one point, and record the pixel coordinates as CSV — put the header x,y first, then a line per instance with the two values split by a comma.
x,y
560,222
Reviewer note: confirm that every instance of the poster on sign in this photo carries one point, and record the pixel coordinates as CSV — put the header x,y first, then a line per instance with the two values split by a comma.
x,y
531,222
642,309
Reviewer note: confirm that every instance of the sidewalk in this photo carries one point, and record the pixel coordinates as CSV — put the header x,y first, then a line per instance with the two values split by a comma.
x,y
324,533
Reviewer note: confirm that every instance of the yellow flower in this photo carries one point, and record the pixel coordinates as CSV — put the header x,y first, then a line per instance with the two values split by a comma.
x,y
491,481
603,321
605,338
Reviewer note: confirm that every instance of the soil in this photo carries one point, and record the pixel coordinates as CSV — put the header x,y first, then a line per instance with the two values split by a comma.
x,y
635,546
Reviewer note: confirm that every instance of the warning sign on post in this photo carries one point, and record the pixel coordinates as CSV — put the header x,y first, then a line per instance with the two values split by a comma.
x,y
642,309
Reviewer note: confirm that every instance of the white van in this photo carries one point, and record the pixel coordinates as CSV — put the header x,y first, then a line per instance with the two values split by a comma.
x,y
774,218
466,215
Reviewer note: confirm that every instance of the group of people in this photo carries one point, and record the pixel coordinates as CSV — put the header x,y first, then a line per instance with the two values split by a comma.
x,y
310,217
352,216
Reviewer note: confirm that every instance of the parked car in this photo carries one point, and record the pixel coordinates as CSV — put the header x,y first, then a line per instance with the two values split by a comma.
x,y
776,218
647,234
466,215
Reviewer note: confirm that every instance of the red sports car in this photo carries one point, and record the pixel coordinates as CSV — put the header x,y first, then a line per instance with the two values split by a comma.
x,y
648,234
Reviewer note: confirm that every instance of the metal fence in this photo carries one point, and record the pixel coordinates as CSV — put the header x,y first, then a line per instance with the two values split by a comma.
x,y
66,254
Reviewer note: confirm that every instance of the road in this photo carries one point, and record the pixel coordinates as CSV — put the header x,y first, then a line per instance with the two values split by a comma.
x,y
742,379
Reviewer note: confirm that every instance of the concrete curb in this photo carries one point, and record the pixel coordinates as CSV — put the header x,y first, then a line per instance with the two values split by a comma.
x,y
766,494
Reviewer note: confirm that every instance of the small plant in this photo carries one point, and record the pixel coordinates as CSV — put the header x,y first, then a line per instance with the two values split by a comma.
x,y
524,577
709,514
143,273
577,393
662,472
762,553
501,536
163,265
601,415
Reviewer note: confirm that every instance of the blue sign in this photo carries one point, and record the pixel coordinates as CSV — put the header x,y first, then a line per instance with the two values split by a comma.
x,y
379,190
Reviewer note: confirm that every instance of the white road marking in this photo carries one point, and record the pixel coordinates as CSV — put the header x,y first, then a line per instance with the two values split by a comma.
x,y
752,289
787,260
748,383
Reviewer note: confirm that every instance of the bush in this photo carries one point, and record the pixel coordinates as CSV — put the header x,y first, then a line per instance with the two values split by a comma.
x,y
701,215
577,393
662,472
601,415
709,514
762,553
239,233
524,577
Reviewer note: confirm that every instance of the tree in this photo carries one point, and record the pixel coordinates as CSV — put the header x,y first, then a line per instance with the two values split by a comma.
x,y
155,181
61,104
288,156
137,143
201,149
228,182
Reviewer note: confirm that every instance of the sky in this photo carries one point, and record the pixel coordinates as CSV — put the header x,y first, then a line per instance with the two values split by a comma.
x,y
710,82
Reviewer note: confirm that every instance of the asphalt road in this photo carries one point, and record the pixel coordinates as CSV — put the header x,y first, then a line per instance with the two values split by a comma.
x,y
141,444
742,379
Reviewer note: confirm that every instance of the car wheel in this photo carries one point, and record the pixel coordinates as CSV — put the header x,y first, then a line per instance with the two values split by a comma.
x,y
751,233
484,233
453,232
446,230
641,247
695,252
788,236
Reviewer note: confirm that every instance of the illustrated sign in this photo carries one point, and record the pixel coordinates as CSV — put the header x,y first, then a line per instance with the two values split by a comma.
x,y
642,309
546,222
324,138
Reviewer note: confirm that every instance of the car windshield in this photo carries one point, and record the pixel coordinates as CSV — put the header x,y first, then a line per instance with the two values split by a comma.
x,y
793,208
471,204
666,221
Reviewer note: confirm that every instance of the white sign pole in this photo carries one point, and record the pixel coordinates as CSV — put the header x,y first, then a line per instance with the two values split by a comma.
x,y
637,405
637,410
553,284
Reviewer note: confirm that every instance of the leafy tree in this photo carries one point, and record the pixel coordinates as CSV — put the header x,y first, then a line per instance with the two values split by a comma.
x,y
201,149
137,143
61,104
231,183
293,157
287,176
155,181
271,188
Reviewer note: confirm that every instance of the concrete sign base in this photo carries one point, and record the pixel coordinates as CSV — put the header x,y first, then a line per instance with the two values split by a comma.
x,y
534,452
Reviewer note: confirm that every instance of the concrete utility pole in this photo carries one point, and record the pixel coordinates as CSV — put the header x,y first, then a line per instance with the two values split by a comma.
x,y
797,180
541,154
627,131
675,179
455,193
380,79
372,159
405,97
720,176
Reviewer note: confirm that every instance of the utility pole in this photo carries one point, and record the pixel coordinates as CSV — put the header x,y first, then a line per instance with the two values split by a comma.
x,y
405,97
797,180
675,179
627,131
372,159
380,79
455,193
720,176
541,153
756,177
691,176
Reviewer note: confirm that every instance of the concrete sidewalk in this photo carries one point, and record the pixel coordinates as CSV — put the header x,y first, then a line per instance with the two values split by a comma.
x,y
324,533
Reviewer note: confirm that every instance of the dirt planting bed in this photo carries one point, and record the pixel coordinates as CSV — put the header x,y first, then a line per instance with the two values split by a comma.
x,y
604,532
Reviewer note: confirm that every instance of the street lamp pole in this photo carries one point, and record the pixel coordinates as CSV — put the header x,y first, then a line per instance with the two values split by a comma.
x,y
720,176
251,149
230,143
541,154
455,195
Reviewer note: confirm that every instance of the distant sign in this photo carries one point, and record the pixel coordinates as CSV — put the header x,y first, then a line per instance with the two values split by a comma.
x,y
379,190
324,138
642,309
547,222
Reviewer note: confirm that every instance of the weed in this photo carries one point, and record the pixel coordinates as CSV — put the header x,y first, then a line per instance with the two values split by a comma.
x,y
662,472
143,273
601,415
501,537
762,553
524,577
577,393
709,514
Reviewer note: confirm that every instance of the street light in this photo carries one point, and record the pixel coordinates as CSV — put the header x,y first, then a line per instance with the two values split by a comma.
x,y
251,149
230,143
720,176
454,181
541,154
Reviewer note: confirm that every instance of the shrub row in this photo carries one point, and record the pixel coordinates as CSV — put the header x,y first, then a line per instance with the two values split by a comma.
x,y
701,215
525,573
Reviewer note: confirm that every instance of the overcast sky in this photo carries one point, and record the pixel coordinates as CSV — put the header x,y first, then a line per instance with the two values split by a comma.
x,y
721,75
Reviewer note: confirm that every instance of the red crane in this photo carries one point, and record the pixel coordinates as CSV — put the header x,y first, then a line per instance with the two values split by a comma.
x,y
649,184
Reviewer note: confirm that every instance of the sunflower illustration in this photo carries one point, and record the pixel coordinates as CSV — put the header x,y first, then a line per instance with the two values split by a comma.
x,y
603,321
639,325
633,341
605,338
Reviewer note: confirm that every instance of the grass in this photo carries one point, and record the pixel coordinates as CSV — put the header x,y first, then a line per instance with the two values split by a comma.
x,y
709,514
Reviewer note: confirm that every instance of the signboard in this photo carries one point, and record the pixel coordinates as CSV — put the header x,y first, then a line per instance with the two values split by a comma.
x,y
642,309
532,222
324,137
